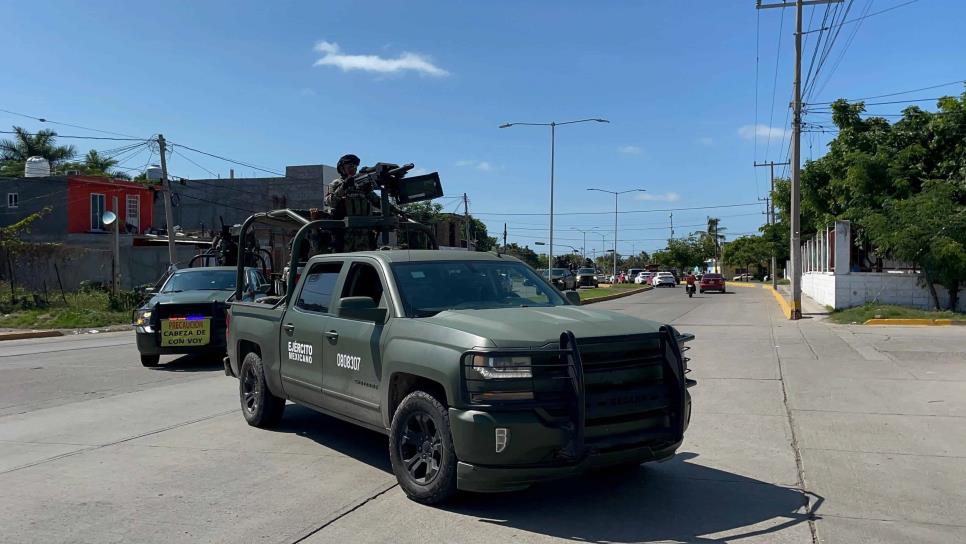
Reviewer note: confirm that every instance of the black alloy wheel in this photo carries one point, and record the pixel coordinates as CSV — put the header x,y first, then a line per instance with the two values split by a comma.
x,y
259,406
421,448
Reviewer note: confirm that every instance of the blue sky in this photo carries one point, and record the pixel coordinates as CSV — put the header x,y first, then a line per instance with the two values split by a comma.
x,y
304,82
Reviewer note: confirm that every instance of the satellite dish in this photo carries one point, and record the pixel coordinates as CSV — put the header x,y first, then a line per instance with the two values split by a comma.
x,y
108,218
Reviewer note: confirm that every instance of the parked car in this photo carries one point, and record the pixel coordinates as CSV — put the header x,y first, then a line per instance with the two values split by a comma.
x,y
663,279
643,278
562,279
712,282
632,274
743,277
586,278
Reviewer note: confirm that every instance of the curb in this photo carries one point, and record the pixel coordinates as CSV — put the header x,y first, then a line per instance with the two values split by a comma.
x,y
916,322
605,298
28,334
785,307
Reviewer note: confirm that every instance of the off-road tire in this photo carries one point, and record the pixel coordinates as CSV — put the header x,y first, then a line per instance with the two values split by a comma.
x,y
150,361
259,406
413,409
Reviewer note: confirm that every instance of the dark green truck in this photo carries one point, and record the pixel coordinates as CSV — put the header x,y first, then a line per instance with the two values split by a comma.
x,y
484,376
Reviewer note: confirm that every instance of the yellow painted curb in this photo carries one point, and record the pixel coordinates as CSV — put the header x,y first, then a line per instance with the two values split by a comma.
x,y
786,308
605,298
737,284
910,321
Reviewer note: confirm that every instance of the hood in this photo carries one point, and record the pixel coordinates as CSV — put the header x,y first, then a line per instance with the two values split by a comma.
x,y
531,327
190,297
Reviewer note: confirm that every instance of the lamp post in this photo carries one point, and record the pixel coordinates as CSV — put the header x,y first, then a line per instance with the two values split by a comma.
x,y
553,136
616,194
584,248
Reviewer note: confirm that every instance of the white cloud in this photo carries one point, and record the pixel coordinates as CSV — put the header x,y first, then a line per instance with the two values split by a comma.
x,y
760,130
484,166
332,55
629,149
654,197
706,140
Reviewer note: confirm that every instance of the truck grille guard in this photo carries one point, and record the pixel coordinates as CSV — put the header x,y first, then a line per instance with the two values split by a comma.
x,y
571,361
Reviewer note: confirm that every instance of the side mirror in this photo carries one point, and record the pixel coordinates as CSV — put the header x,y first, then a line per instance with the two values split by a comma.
x,y
361,308
573,297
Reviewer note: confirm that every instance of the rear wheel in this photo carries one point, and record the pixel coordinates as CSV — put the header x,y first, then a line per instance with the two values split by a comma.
x,y
421,449
259,406
150,360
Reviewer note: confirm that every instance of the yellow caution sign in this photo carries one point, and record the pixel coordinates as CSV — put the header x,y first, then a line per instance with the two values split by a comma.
x,y
185,332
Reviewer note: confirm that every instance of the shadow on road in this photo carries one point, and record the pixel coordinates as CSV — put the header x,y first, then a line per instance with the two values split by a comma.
x,y
677,501
193,363
361,444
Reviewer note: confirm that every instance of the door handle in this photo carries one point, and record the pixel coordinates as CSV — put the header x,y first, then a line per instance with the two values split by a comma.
x,y
331,335
289,328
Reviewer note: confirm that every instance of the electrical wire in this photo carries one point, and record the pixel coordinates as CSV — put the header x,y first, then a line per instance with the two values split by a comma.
x,y
774,91
43,120
958,81
621,212
229,160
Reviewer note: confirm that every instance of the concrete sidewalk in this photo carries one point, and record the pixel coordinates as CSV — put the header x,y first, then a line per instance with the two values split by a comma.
x,y
879,417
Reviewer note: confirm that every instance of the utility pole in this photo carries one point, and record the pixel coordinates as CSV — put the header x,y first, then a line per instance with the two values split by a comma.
x,y
466,218
796,153
672,224
166,192
116,279
770,203
504,236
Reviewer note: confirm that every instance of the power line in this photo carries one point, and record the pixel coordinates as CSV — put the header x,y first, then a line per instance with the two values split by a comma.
x,y
880,12
185,157
43,120
774,91
624,212
230,160
841,56
78,137
958,81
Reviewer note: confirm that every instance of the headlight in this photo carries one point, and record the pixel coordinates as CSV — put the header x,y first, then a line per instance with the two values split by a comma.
x,y
502,367
142,317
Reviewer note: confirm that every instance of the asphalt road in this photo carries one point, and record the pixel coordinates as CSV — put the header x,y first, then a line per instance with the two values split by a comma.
x,y
95,448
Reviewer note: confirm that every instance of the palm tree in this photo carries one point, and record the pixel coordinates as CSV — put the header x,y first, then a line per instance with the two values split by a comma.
x,y
715,232
14,153
98,165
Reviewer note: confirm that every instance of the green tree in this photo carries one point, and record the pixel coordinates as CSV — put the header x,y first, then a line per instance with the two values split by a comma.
x,y
525,254
96,164
15,152
747,251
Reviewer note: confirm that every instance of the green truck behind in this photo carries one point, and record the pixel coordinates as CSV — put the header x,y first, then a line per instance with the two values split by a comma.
x,y
484,376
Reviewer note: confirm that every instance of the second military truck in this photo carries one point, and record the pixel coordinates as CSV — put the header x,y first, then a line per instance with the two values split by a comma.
x,y
484,375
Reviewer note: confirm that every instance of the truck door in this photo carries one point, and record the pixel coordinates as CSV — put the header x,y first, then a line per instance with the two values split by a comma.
x,y
301,341
353,366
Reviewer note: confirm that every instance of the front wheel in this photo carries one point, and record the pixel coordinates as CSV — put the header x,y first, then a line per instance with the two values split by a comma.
x,y
421,449
150,361
259,406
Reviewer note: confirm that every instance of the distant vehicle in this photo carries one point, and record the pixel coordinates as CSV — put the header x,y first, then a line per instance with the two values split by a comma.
x,y
743,277
187,314
663,279
587,278
644,277
562,279
712,282
632,274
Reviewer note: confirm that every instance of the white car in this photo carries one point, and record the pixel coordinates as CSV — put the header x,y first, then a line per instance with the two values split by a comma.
x,y
663,278
642,278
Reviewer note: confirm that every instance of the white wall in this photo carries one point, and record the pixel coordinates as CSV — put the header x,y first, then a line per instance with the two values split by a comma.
x,y
857,288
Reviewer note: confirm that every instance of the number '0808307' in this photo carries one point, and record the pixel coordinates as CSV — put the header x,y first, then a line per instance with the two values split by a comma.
x,y
349,362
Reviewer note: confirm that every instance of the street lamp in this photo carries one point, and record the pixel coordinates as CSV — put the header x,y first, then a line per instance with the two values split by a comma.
x,y
553,132
584,232
616,194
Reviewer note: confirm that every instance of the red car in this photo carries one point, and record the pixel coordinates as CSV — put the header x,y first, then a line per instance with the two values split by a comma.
x,y
712,282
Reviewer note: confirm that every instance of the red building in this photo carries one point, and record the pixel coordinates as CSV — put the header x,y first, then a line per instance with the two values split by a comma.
x,y
89,197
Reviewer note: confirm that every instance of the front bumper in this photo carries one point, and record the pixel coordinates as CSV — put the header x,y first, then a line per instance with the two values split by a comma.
x,y
481,469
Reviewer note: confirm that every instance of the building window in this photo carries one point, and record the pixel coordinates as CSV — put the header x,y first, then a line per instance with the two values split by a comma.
x,y
97,210
132,211
13,200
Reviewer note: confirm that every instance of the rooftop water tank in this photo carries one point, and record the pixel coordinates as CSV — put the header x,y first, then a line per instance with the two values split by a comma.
x,y
36,167
153,172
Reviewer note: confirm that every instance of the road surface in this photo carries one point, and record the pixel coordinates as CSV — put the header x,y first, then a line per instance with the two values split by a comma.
x,y
800,432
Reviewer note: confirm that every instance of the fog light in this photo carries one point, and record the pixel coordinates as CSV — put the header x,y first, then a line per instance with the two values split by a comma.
x,y
502,438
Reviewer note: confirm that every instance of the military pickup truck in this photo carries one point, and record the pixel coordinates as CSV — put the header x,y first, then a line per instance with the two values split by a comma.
x,y
484,376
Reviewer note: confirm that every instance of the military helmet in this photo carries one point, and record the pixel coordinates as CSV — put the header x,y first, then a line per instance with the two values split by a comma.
x,y
346,159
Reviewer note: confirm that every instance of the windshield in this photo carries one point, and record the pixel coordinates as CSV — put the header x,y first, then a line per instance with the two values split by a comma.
x,y
428,288
585,271
200,280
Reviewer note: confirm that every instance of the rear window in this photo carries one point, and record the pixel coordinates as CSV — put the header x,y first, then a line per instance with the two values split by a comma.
x,y
586,271
711,277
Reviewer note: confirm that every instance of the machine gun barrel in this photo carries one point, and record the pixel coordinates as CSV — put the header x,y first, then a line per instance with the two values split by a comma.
x,y
402,169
